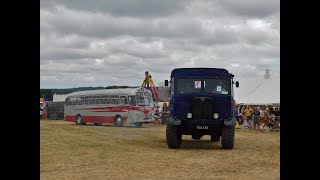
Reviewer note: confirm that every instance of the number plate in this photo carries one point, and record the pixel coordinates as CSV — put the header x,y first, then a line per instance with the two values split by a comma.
x,y
202,127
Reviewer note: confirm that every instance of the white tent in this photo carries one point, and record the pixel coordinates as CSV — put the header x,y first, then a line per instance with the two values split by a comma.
x,y
258,91
59,97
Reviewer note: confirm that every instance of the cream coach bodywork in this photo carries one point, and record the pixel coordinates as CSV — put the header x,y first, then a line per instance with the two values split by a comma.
x,y
133,106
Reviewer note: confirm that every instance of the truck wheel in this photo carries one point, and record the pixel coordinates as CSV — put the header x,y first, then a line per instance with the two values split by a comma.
x,y
118,121
227,137
79,120
173,136
138,125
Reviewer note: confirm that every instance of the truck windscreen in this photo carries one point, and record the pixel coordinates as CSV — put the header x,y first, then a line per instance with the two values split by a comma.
x,y
216,86
210,85
187,86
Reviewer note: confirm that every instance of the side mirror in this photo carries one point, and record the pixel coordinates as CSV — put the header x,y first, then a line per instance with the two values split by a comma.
x,y
237,83
166,83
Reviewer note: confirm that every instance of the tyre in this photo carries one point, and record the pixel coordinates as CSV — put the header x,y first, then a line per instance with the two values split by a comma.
x,y
138,125
118,121
227,137
97,124
79,120
173,136
197,137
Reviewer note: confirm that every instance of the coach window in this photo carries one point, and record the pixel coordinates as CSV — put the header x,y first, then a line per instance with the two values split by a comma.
x,y
81,101
123,100
111,101
104,99
94,99
98,100
72,101
76,100
107,100
88,100
114,99
132,100
67,101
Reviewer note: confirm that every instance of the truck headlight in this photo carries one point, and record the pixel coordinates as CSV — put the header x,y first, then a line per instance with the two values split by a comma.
x,y
215,115
189,115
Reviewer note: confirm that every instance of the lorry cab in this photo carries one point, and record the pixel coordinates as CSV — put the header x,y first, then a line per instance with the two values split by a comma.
x,y
201,103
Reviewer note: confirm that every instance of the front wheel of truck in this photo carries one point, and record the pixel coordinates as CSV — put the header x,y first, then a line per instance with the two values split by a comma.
x,y
173,136
227,137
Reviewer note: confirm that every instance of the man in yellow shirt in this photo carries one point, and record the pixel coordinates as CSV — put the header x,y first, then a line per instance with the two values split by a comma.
x,y
248,112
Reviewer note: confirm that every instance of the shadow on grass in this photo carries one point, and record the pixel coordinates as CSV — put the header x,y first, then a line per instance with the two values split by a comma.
x,y
107,125
199,144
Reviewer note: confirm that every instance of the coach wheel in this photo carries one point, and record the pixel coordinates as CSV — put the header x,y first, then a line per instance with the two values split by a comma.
x,y
118,121
138,125
79,120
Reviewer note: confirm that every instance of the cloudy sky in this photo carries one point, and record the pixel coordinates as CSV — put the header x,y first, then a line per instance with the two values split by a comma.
x,y
107,42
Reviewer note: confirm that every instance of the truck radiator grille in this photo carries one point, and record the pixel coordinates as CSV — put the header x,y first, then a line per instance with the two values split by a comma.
x,y
202,108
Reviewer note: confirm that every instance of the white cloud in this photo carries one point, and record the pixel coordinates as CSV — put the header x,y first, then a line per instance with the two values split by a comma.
x,y
104,43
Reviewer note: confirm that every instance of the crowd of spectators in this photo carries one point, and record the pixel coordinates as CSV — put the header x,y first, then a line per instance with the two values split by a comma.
x,y
258,118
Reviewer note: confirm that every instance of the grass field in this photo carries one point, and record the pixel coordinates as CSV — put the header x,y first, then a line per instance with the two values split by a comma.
x,y
69,151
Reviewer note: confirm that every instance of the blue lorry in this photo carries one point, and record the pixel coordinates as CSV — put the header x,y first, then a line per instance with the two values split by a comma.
x,y
201,103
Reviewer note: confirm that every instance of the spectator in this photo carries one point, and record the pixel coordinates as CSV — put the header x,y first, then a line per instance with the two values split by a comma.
x,y
245,122
272,114
248,113
279,118
241,114
241,109
165,106
276,121
236,113
266,119
256,117
277,113
157,111
261,113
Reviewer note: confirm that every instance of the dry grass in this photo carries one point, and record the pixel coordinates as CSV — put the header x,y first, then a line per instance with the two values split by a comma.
x,y
69,151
